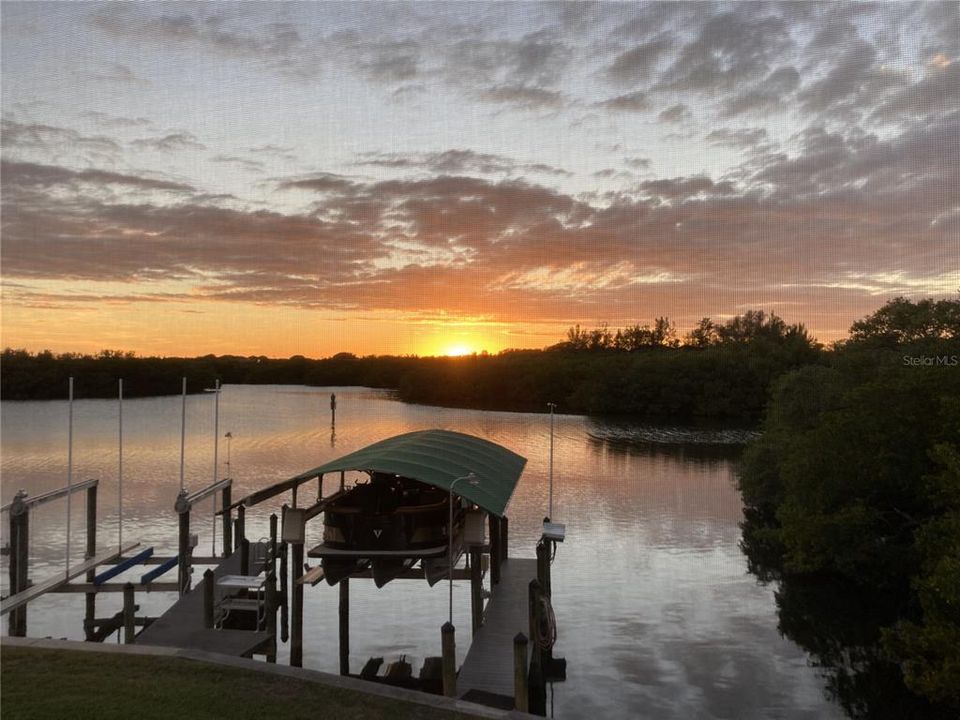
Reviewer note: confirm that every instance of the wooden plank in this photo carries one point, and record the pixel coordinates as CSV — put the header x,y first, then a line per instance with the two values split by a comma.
x,y
35,591
312,576
488,667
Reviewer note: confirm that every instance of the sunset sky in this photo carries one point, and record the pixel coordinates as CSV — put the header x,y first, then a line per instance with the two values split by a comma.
x,y
310,178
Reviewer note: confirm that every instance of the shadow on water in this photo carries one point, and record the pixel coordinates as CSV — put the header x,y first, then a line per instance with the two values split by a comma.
x,y
840,624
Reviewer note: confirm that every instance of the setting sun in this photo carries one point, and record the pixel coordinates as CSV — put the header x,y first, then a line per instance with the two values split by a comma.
x,y
457,351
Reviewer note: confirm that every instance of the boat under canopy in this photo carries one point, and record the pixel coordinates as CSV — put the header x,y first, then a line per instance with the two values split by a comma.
x,y
399,515
438,458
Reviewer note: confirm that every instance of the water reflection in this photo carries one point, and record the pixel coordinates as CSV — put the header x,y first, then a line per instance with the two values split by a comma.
x,y
657,614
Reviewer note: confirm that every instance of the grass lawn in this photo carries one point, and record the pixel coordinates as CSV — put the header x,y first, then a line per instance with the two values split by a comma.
x,y
68,684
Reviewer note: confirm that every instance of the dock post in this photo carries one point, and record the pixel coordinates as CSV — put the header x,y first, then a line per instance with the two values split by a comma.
x,y
241,532
284,603
345,626
208,598
543,565
91,598
244,557
494,531
536,686
296,637
272,605
273,537
520,691
227,522
185,551
129,621
476,590
19,561
448,645
504,537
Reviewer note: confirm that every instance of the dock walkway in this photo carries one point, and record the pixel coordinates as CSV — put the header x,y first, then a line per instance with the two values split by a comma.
x,y
488,668
182,625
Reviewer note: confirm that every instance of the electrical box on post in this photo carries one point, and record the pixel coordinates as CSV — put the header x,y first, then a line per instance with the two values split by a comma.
x,y
294,526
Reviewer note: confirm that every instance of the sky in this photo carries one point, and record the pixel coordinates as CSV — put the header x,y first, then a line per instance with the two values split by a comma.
x,y
267,178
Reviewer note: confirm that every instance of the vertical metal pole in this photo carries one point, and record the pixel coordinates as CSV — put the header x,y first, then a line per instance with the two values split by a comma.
x,y
216,427
550,496
183,426
66,559
119,464
91,598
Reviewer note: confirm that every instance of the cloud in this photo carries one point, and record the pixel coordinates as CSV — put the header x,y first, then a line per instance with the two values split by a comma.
x,y
637,64
245,163
675,114
20,175
52,138
321,182
729,49
458,161
770,93
522,97
169,143
742,138
632,102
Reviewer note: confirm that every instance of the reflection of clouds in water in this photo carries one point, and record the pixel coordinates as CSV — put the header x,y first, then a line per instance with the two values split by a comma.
x,y
657,615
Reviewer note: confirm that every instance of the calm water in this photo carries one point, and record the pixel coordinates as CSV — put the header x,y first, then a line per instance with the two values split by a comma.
x,y
658,616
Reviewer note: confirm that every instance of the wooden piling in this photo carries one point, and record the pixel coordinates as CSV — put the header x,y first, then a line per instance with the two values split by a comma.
x,y
185,555
504,538
273,602
476,590
208,590
448,646
129,610
533,599
19,561
520,690
227,522
244,557
91,598
345,626
544,550
273,537
494,532
296,621
241,529
284,598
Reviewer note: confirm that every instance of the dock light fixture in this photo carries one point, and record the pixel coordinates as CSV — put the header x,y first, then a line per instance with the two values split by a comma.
x,y
472,479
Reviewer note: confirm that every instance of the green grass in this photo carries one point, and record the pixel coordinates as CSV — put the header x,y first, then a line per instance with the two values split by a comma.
x,y
75,684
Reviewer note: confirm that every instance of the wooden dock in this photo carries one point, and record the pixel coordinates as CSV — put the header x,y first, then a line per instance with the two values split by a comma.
x,y
182,626
487,673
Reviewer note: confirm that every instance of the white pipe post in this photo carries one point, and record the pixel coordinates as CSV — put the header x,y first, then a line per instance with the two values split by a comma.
x,y
216,450
66,570
120,465
550,492
183,428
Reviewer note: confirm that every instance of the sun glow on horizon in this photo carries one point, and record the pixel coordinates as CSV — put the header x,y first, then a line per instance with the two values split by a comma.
x,y
458,351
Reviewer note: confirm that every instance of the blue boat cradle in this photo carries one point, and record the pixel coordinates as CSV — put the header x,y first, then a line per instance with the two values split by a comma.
x,y
159,570
140,557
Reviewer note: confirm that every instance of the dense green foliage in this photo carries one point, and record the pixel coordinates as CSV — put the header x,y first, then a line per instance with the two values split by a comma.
x,y
717,372
857,477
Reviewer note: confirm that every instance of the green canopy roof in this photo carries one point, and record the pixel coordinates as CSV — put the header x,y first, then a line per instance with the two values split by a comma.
x,y
438,457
